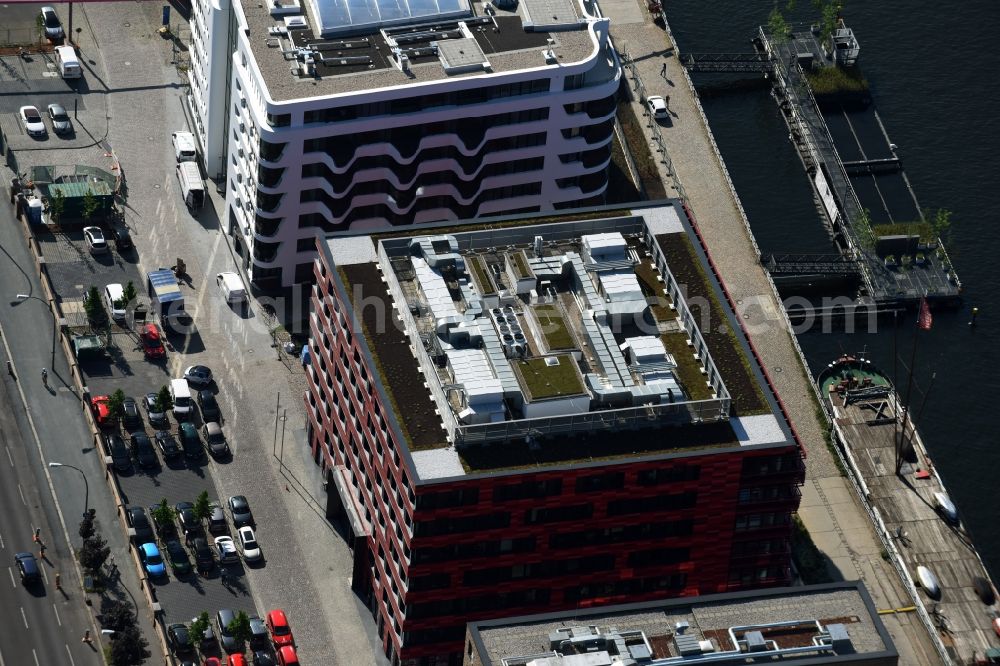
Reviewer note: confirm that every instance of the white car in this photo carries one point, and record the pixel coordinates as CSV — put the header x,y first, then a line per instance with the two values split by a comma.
x,y
226,549
658,106
96,242
114,296
32,121
248,544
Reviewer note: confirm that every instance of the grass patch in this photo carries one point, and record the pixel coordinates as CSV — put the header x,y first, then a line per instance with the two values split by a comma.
x,y
809,561
922,229
732,363
833,80
482,276
520,263
552,325
688,368
550,381
638,145
651,286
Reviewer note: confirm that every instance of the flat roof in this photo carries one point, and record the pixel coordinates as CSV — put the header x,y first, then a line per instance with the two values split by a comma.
x,y
359,51
594,399
815,624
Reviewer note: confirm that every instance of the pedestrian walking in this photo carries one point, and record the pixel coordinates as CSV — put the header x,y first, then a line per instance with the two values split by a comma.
x,y
41,551
37,538
663,70
58,581
10,368
45,377
86,637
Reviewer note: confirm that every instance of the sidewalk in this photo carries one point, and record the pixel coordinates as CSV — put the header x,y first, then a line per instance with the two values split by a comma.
x,y
830,510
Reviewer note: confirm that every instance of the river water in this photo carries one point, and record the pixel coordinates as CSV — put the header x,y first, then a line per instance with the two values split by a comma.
x,y
932,69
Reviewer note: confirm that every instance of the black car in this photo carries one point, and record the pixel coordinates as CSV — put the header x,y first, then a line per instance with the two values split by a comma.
x,y
27,566
157,417
189,441
223,619
259,638
118,451
217,520
122,236
178,557
239,510
143,450
203,557
262,658
131,418
137,520
208,406
179,638
167,444
215,439
185,516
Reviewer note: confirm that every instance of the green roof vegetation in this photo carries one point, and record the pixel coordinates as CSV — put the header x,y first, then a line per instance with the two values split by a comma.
x,y
553,327
544,381
922,229
688,368
482,276
648,277
637,144
520,263
833,80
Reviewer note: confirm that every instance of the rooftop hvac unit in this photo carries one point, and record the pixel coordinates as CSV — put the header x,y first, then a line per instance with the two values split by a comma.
x,y
295,23
840,640
755,641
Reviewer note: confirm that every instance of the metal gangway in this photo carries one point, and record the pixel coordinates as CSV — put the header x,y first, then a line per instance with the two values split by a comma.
x,y
727,62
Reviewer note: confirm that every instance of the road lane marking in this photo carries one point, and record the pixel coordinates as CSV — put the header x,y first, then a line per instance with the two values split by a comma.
x,y
8,455
2,544
58,619
24,617
35,655
21,493
11,572
71,660
45,575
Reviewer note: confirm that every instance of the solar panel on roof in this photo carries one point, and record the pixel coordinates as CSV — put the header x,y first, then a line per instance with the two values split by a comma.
x,y
338,16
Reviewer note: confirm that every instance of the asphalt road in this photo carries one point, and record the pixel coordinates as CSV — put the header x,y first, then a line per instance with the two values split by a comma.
x,y
48,623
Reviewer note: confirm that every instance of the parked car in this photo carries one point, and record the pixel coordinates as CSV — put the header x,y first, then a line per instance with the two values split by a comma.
x,y
131,418
223,619
157,416
136,518
208,406
61,124
96,243
203,557
121,235
215,440
239,511
226,550
32,121
207,642
258,634
262,658
143,450
178,557
102,412
199,375
118,451
212,661
27,567
281,632
248,544
152,343
236,660
179,638
167,444
189,440
185,516
217,519
287,656
151,560
657,106
53,26
164,528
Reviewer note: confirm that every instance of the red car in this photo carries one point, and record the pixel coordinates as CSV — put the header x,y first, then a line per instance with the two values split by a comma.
x,y
277,625
102,413
212,661
236,660
152,345
287,656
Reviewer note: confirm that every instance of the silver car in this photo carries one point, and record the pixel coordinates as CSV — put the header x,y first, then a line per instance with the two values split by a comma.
x,y
61,124
53,26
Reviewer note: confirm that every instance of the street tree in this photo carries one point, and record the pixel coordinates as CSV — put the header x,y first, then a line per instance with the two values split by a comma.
x,y
94,553
164,402
199,626
57,205
87,527
163,515
90,205
129,294
94,307
116,403
202,506
239,628
129,647
117,615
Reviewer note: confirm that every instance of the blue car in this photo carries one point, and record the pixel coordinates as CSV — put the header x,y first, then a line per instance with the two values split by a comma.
x,y
152,560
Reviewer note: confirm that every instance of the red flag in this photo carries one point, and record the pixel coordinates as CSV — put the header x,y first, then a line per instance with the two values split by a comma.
x,y
924,319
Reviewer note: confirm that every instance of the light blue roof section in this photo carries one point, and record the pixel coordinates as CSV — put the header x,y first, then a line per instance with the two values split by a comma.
x,y
337,17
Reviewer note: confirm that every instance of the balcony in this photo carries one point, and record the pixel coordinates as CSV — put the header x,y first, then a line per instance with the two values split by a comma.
x,y
266,227
271,152
265,252
268,176
268,203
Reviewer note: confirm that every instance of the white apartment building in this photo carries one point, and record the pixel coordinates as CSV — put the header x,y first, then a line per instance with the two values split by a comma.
x,y
346,116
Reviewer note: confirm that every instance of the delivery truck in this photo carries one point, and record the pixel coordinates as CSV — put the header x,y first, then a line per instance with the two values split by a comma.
x,y
167,301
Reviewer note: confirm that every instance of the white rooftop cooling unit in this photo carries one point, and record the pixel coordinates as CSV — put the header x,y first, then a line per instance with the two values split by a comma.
x,y
295,23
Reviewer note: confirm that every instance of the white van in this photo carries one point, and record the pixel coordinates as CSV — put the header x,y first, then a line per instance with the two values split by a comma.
x,y
180,393
114,296
184,147
67,63
232,288
192,187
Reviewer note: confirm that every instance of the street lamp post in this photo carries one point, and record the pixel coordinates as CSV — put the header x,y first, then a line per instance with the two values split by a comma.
x,y
20,298
86,486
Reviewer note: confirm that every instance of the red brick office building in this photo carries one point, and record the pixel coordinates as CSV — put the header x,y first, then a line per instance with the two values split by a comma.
x,y
461,508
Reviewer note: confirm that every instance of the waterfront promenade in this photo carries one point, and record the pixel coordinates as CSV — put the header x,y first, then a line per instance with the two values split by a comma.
x,y
831,511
